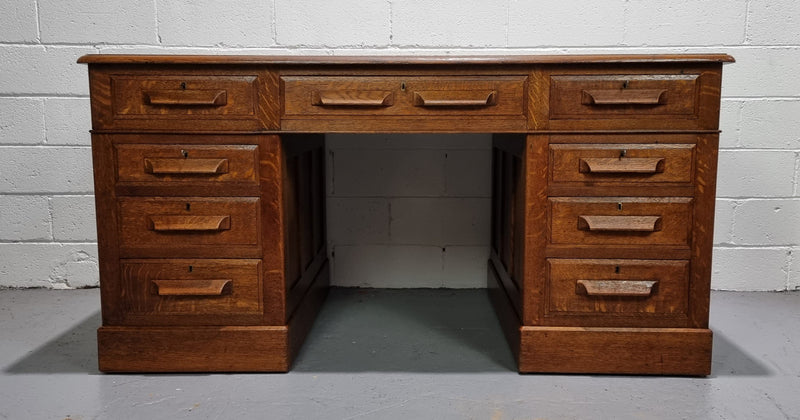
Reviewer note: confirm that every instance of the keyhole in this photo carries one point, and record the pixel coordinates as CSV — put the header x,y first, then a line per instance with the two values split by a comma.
x,y
403,86
625,84
619,206
188,207
183,85
616,269
623,153
185,153
191,268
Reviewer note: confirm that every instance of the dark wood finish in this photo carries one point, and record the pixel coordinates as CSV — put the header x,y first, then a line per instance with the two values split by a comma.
x,y
210,195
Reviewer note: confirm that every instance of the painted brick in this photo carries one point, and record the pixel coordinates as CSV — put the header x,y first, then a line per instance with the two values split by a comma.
x,y
68,121
45,169
74,218
767,222
35,69
387,266
755,173
18,22
410,141
750,268
440,221
730,117
681,22
354,221
22,121
471,23
794,270
24,218
210,22
723,221
468,173
565,23
91,22
326,23
771,124
48,265
378,173
465,267
773,22
760,72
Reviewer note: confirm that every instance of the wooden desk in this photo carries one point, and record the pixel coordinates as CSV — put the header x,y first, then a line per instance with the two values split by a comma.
x,y
209,178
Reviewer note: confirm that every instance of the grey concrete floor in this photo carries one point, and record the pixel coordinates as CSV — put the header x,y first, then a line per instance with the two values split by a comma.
x,y
394,354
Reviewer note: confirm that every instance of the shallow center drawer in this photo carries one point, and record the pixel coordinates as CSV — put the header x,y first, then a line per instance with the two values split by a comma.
x,y
601,163
214,292
620,221
399,96
183,223
601,286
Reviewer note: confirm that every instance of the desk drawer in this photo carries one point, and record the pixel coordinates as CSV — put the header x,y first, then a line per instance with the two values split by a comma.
x,y
159,101
606,286
620,221
211,292
184,223
621,163
187,163
403,96
608,96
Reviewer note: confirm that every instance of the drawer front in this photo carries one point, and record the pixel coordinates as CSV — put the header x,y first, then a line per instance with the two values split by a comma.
x,y
187,163
601,286
163,223
620,163
609,96
215,292
620,221
156,101
403,96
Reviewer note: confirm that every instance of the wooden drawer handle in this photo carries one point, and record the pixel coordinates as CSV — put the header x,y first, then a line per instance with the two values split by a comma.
x,y
354,98
169,223
179,97
624,97
186,166
621,165
623,288
619,223
193,287
455,98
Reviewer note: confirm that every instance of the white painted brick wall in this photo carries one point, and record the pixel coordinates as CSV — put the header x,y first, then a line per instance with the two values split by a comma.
x,y
404,210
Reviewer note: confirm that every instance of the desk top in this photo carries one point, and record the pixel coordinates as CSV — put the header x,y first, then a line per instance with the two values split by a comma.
x,y
400,60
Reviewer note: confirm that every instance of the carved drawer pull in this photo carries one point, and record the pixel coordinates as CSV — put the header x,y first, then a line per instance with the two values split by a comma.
x,y
355,98
455,98
624,97
169,223
621,165
186,166
178,97
619,223
622,288
193,287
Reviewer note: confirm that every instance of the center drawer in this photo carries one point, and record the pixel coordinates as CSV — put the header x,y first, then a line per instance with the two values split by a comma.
x,y
403,96
189,225
620,221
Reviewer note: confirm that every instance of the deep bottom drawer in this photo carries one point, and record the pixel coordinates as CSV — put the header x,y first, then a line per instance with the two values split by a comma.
x,y
617,287
192,291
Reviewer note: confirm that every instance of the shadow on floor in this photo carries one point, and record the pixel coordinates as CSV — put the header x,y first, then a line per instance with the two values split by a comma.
x,y
74,351
409,330
729,360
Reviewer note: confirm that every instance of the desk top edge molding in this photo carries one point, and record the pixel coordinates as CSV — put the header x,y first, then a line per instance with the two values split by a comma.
x,y
401,59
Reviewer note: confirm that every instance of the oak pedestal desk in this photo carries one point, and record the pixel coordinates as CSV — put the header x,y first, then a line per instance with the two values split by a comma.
x,y
210,184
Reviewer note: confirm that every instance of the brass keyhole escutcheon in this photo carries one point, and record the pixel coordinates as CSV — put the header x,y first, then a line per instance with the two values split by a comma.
x,y
183,85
